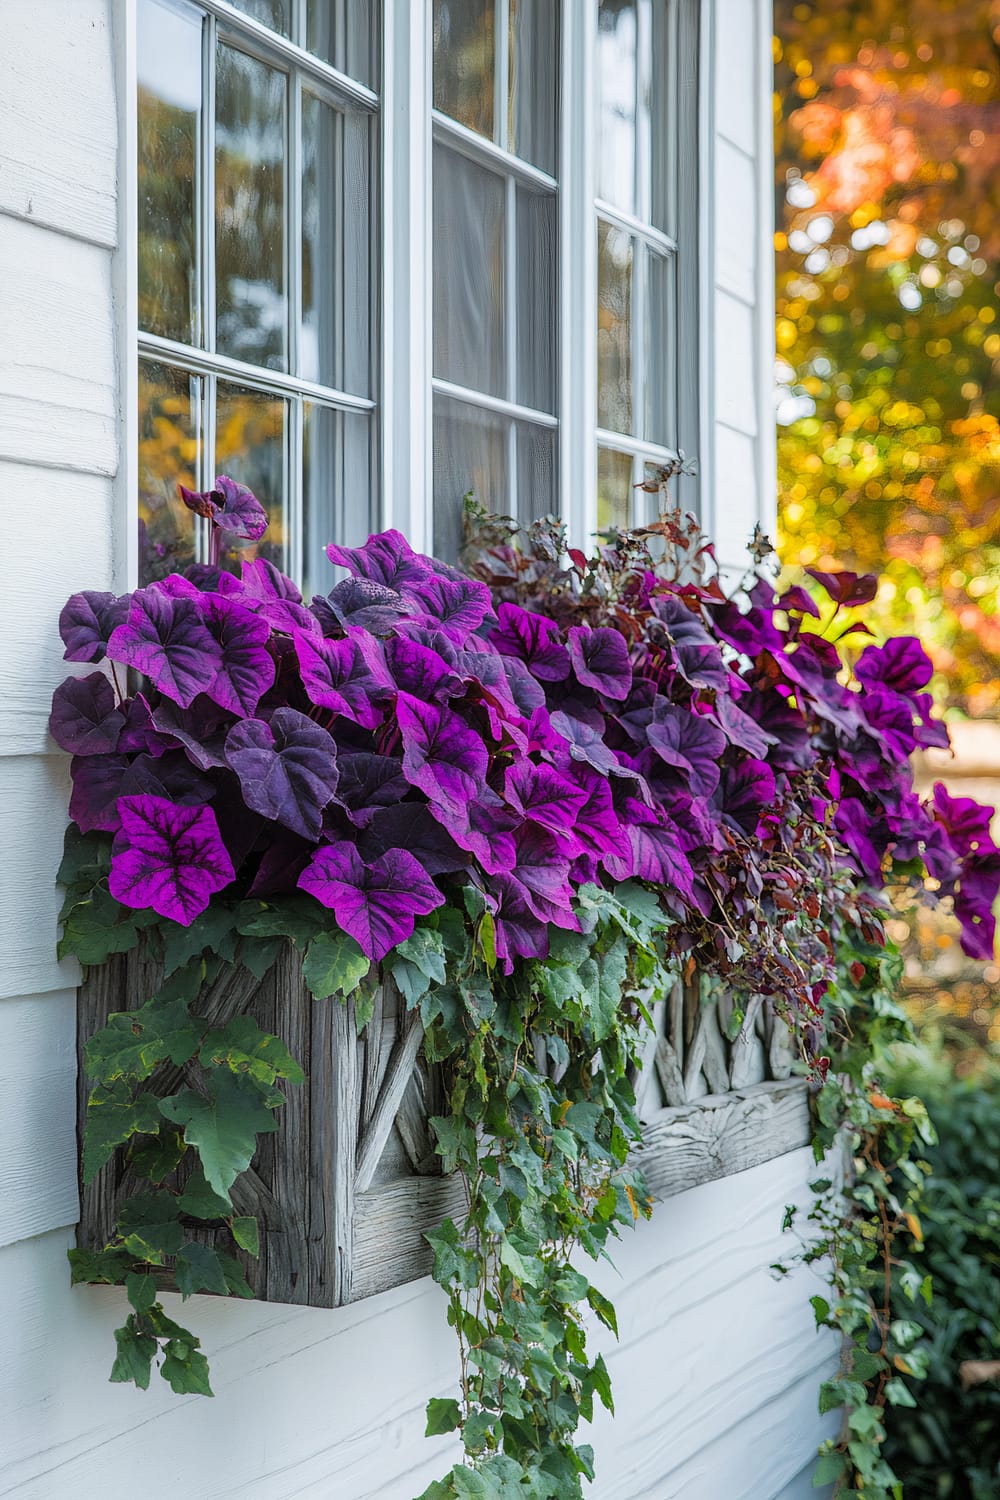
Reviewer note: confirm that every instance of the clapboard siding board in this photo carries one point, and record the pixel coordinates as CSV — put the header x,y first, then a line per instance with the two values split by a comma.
x,y
57,120
330,1403
34,794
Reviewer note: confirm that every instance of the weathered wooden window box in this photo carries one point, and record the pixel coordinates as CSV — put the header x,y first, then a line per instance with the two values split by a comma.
x,y
345,1189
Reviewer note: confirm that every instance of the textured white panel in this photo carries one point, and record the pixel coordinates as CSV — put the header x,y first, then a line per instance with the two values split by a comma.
x,y
716,1376
34,795
37,1114
735,221
57,117
57,373
735,71
735,364
736,498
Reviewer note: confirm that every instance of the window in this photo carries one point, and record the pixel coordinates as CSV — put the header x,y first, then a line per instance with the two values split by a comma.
x,y
537,157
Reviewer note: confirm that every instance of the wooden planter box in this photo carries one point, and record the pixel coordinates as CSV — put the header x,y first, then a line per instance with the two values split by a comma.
x,y
345,1189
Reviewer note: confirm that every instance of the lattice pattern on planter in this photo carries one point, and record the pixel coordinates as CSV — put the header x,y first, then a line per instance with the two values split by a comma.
x,y
345,1189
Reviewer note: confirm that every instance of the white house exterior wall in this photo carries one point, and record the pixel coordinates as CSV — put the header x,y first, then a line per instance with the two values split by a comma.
x,y
717,1368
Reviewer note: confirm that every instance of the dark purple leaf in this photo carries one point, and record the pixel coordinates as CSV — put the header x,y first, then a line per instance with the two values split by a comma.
x,y
347,676
369,782
543,870
847,589
263,581
690,743
747,790
528,694
200,729
597,825
231,506
366,604
170,775
86,622
166,639
97,785
409,826
586,745
796,598
483,827
287,769
139,733
386,558
739,729
84,718
519,933
600,660
168,859
533,640
441,755
457,606
419,671
375,903
750,631
966,822
855,825
280,867
902,665
246,668
542,795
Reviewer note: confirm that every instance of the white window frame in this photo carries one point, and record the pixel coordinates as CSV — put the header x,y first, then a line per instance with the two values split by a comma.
x,y
403,404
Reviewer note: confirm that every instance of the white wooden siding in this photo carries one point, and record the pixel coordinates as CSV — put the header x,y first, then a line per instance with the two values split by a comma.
x,y
717,1369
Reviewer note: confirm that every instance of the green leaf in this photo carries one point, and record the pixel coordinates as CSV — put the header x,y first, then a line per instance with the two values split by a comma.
x,y
185,1368
134,1042
476,1429
898,1393
135,1355
297,917
424,948
866,1421
222,1127
147,1224
243,1047
235,1275
334,965
200,1201
829,1468
821,1310
246,1234
259,955
96,928
214,929
93,1266
114,1114
197,1269
486,938
604,1309
141,1291
442,1416
156,1156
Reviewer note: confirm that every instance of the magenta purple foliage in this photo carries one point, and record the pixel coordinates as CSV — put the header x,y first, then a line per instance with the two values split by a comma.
x,y
524,732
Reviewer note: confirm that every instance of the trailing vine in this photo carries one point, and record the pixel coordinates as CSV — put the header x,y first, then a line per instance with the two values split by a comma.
x,y
535,795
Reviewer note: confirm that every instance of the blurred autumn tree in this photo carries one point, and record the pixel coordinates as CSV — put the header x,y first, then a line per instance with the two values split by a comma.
x,y
887,125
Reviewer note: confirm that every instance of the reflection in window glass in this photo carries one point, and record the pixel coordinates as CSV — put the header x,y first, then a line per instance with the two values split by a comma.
x,y
249,208
659,335
615,259
534,73
464,51
336,239
337,488
617,78
169,99
536,471
614,490
168,456
340,32
468,273
273,13
470,453
536,299
250,447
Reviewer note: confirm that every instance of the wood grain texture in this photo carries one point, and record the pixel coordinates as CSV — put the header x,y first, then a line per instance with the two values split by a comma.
x,y
58,164
58,392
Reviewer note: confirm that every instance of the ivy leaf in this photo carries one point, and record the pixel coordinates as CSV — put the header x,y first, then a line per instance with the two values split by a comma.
x,y
224,1127
829,1468
141,1290
259,954
297,917
246,1234
424,948
214,929
200,1201
92,1266
114,1114
243,1047
147,1224
134,1042
185,1369
334,965
96,928
86,857
604,1309
157,1156
197,1269
135,1355
236,1280
442,1416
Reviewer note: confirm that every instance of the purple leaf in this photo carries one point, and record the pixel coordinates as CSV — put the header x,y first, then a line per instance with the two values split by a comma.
x,y
543,870
409,826
600,660
739,729
375,903
420,672
84,718
966,822
231,506
457,606
586,745
139,733
483,827
855,825
200,729
86,622
348,676
262,580
366,604
166,639
171,775
533,640
596,826
543,796
369,782
97,785
902,665
796,598
168,859
287,769
747,789
519,933
690,743
847,589
280,867
386,558
656,856
246,668
441,755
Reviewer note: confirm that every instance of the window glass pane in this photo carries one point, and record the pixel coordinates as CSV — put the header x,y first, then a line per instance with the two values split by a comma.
x,y
464,41
470,453
336,288
468,273
659,334
615,257
340,32
249,210
273,13
534,75
168,63
250,447
168,456
536,300
614,490
615,119
337,488
536,471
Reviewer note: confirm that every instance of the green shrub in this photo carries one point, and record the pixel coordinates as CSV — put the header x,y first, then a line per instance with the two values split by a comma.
x,y
947,1447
